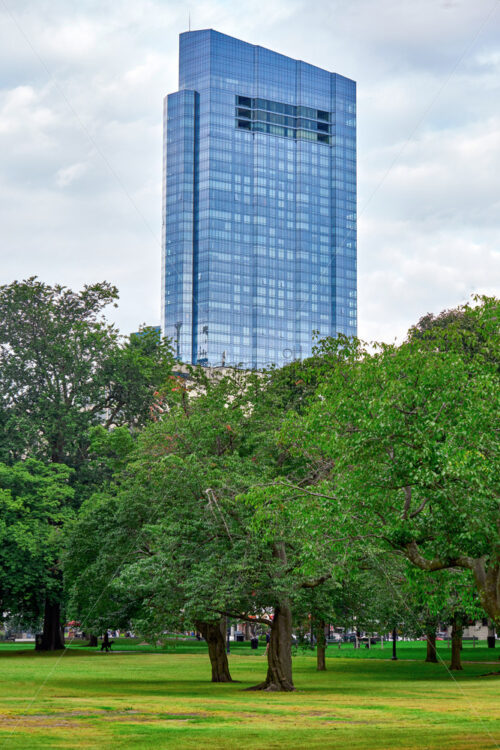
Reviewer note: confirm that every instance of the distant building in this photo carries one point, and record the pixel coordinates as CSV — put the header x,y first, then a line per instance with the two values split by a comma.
x,y
259,211
148,329
480,630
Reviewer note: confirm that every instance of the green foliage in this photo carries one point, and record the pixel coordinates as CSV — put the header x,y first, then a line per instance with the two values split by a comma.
x,y
66,378
309,484
64,369
412,434
164,522
195,539
35,504
52,343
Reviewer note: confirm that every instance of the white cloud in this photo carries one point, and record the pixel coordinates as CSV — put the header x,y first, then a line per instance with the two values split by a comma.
x,y
66,175
22,110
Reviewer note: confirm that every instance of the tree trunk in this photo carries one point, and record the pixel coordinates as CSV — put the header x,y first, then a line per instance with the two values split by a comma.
x,y
456,644
491,634
431,647
214,634
279,653
92,640
321,647
52,636
488,581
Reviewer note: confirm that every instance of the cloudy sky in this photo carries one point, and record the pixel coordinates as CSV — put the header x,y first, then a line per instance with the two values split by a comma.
x,y
81,89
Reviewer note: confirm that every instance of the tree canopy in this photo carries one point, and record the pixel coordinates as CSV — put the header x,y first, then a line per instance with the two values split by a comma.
x,y
64,370
412,433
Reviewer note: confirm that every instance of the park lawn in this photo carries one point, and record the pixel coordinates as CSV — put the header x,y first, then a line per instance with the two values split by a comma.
x,y
405,649
88,699
416,650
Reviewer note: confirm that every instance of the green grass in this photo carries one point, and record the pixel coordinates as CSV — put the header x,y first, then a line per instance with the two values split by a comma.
x,y
87,699
405,649
416,650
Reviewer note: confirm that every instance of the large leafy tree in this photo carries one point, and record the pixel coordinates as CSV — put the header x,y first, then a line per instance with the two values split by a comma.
x,y
164,527
412,432
63,371
35,500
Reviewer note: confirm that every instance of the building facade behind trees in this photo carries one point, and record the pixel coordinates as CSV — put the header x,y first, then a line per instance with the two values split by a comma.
x,y
259,211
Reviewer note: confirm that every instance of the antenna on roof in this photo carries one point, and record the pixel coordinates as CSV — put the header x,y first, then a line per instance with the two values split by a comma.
x,y
190,21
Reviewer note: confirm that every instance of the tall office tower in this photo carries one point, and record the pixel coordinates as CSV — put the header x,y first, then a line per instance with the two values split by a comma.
x,y
259,212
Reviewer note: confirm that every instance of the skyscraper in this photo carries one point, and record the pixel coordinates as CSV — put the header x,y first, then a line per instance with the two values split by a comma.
x,y
259,210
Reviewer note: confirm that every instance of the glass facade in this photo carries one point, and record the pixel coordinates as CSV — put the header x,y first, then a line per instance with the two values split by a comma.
x,y
259,210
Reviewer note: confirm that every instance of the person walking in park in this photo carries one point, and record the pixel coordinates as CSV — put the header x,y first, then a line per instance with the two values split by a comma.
x,y
106,643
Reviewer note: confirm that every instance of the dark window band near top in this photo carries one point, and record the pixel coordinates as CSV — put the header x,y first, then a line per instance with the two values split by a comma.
x,y
286,120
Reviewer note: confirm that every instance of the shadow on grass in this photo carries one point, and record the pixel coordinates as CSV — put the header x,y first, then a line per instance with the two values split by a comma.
x,y
6,654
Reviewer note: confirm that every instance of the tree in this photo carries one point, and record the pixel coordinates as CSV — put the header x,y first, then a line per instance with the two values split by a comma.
x,y
412,432
161,526
35,502
318,607
298,560
292,558
64,370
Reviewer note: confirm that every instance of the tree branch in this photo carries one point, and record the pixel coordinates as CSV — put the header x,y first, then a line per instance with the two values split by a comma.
x,y
420,508
247,618
307,492
407,505
317,582
414,555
